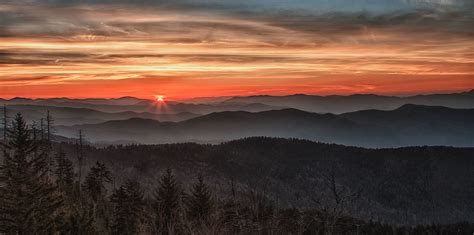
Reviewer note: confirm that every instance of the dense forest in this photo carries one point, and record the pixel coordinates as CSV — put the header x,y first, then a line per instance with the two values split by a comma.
x,y
255,185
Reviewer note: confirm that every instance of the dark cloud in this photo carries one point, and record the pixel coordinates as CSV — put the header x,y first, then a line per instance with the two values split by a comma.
x,y
416,22
60,58
70,20
40,58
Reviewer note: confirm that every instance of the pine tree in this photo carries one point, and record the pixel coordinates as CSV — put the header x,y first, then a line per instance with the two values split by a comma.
x,y
135,194
167,202
80,159
77,215
80,220
47,145
42,128
128,208
49,126
5,123
95,194
200,202
96,179
64,172
28,201
120,198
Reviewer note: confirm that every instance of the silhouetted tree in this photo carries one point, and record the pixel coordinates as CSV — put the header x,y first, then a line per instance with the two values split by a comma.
x,y
49,126
128,208
167,202
199,203
80,158
5,123
95,192
78,219
42,128
96,179
28,202
64,172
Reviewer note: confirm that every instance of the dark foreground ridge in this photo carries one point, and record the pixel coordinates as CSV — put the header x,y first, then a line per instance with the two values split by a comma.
x,y
405,185
256,185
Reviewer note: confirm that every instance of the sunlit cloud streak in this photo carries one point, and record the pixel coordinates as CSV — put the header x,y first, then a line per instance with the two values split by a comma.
x,y
257,46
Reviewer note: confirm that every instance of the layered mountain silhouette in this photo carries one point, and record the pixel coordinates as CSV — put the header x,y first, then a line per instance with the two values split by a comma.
x,y
131,104
310,103
73,116
342,104
405,126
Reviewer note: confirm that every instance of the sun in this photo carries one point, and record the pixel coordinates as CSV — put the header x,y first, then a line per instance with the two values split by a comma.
x,y
160,98
160,104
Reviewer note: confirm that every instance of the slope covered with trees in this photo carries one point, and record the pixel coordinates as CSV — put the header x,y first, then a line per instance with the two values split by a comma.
x,y
253,185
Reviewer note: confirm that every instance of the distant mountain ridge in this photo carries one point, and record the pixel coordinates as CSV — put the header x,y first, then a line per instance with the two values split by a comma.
x,y
343,104
312,103
126,100
74,116
408,125
140,106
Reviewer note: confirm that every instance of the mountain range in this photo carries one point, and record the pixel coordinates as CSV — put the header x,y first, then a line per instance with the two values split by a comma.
x,y
342,104
357,120
74,116
311,103
130,104
405,126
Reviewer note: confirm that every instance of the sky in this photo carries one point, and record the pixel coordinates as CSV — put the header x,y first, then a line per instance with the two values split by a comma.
x,y
182,48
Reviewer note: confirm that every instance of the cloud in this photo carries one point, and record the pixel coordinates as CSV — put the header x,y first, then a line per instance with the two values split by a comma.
x,y
256,42
181,20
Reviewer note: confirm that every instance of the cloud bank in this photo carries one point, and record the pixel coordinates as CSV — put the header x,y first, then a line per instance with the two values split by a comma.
x,y
245,47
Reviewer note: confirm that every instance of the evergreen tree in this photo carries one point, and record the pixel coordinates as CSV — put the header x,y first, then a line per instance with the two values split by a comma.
x,y
78,219
95,195
5,123
47,145
128,208
96,179
200,202
42,128
49,126
64,172
80,159
28,201
167,202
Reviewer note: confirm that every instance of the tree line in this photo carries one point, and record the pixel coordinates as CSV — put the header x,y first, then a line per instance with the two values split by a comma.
x,y
42,191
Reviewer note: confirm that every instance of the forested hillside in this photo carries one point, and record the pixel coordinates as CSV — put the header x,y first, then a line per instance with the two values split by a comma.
x,y
252,185
405,185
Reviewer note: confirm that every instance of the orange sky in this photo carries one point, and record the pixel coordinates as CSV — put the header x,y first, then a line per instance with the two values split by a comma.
x,y
89,51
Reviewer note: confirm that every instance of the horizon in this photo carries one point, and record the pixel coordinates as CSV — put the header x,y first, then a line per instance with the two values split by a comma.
x,y
237,117
166,99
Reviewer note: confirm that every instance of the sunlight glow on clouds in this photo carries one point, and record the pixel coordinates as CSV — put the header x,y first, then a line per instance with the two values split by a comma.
x,y
219,49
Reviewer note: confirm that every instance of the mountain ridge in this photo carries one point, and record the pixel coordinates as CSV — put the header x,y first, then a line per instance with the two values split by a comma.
x,y
73,116
405,126
338,104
